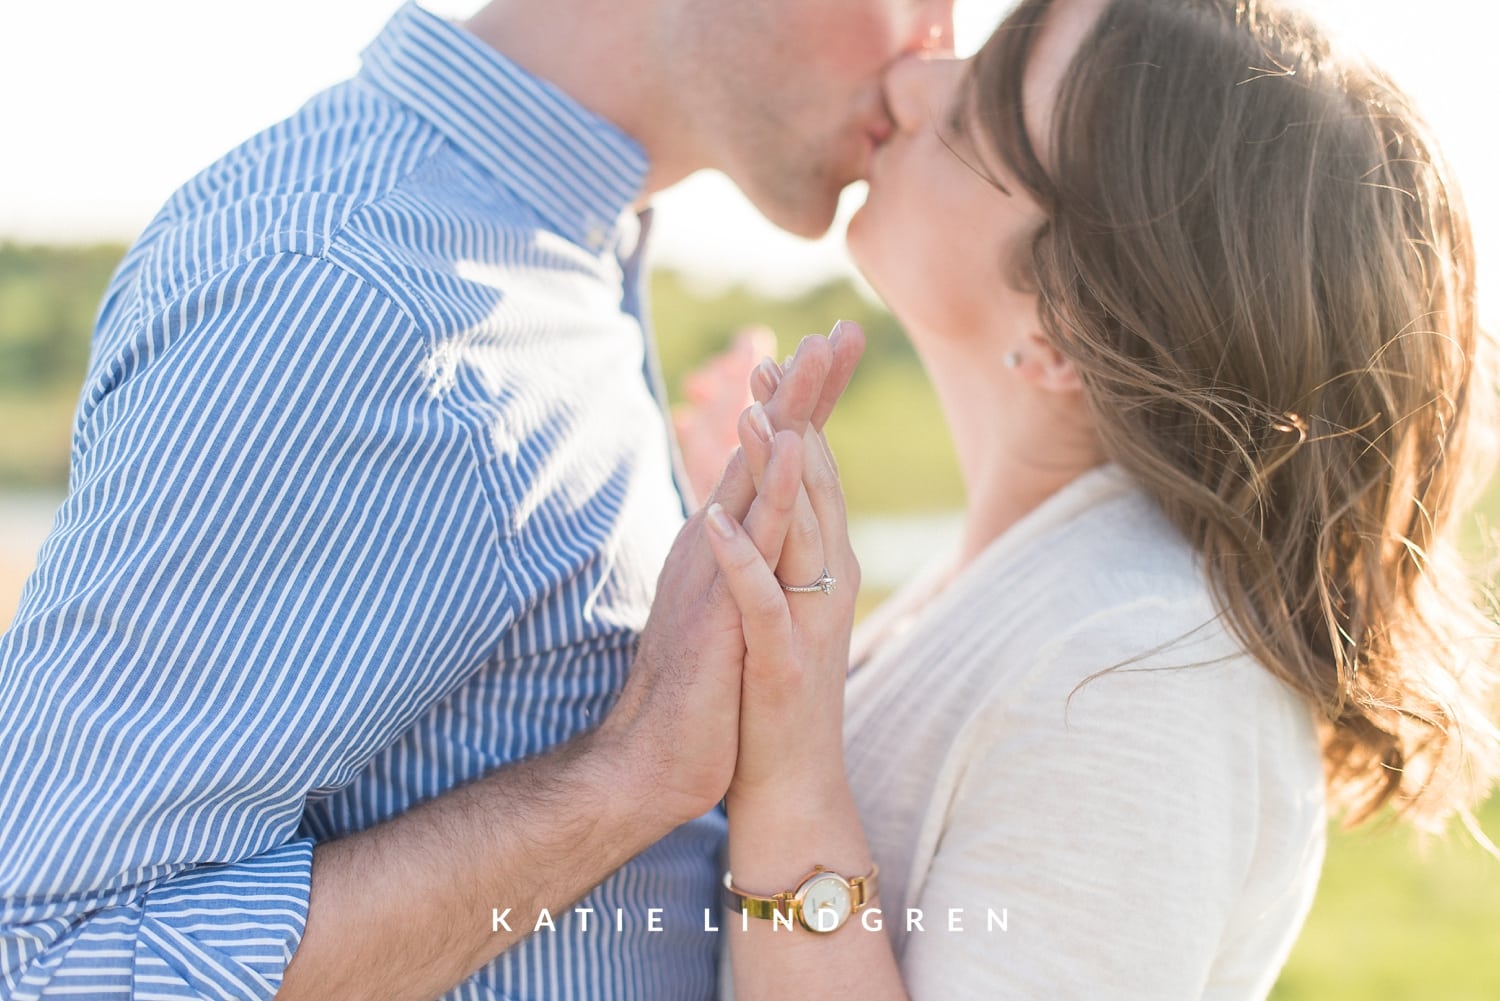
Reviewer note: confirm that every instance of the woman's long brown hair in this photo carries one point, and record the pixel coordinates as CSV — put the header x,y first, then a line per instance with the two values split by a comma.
x,y
1262,270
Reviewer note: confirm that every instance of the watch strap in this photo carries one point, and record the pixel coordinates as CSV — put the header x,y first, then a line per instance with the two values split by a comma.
x,y
862,890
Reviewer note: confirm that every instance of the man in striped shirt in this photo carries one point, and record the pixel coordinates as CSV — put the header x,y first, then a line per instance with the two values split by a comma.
x,y
370,484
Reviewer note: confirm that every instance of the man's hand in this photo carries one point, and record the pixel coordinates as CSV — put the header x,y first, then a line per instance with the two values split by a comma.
x,y
398,911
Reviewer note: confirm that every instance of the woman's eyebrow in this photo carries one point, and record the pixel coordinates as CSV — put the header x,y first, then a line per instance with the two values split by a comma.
x,y
961,103
961,145
956,118
955,129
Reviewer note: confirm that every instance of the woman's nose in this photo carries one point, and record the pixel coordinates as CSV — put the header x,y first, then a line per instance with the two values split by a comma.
x,y
918,88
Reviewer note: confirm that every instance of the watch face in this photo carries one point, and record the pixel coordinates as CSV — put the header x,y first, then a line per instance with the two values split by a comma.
x,y
826,902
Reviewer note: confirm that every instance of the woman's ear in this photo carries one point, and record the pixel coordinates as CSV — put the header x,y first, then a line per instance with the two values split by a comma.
x,y
1051,369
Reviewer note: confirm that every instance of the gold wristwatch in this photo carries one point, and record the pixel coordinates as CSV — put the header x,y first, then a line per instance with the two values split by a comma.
x,y
822,902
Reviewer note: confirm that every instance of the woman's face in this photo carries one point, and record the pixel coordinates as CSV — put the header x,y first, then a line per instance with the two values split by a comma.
x,y
945,247
941,244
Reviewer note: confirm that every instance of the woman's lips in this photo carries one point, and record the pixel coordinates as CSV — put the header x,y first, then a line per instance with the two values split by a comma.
x,y
876,151
878,134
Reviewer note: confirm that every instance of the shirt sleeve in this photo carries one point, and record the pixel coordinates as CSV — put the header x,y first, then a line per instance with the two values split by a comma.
x,y
1096,846
248,592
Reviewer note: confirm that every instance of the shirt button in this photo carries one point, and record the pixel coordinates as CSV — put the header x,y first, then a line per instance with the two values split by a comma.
x,y
597,237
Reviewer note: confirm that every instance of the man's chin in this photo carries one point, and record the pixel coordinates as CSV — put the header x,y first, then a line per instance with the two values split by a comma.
x,y
808,217
809,226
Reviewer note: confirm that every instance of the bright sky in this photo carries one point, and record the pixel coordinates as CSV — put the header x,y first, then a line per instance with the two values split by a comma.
x,y
108,105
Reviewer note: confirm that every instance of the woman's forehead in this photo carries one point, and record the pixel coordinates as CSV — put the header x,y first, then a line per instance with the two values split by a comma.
x,y
1066,24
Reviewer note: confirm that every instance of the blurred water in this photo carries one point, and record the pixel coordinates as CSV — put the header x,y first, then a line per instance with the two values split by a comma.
x,y
25,520
890,548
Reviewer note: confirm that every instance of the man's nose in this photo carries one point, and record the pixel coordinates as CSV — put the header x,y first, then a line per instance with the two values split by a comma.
x,y
913,87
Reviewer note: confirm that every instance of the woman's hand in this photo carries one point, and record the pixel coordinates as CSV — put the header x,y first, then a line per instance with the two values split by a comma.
x,y
791,811
797,643
716,392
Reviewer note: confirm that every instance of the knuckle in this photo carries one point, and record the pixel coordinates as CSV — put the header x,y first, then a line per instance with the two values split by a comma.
x,y
743,561
783,502
805,533
854,574
823,481
766,609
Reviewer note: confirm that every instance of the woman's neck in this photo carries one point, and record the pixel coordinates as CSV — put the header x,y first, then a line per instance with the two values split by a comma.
x,y
1016,445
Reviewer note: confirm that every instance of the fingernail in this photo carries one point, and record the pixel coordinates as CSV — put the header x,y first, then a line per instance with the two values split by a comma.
x,y
768,373
761,422
837,331
720,521
791,360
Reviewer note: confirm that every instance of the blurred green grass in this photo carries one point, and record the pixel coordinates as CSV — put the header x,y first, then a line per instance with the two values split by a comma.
x,y
1399,920
1391,923
37,424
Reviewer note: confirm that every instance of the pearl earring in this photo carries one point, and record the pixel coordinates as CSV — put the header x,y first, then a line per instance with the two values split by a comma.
x,y
1012,359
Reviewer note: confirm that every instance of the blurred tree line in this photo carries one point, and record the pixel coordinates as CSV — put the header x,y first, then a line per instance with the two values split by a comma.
x,y
893,450
48,298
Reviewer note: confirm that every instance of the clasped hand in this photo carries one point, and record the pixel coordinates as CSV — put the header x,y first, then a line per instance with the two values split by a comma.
x,y
738,685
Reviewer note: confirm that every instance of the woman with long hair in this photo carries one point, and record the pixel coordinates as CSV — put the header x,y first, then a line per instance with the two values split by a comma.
x,y
1196,292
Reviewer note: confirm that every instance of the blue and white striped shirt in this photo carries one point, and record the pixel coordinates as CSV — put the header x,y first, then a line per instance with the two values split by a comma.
x,y
369,492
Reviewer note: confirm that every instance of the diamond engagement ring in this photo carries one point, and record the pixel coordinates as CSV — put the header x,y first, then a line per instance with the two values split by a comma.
x,y
824,583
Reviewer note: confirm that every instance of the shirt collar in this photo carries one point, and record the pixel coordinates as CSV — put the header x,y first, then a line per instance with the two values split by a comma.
x,y
578,171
